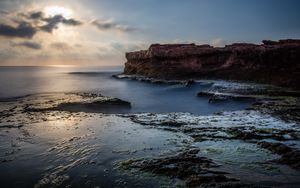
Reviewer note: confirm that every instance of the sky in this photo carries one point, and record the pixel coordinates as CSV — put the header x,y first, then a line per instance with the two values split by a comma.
x,y
99,32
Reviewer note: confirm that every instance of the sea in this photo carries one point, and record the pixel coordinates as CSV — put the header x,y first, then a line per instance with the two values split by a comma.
x,y
144,97
60,148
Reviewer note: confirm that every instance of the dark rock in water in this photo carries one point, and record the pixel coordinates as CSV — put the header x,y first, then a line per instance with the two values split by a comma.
x,y
272,62
252,133
287,108
247,134
154,80
217,97
107,106
81,102
278,101
211,179
113,101
289,156
171,123
187,166
190,82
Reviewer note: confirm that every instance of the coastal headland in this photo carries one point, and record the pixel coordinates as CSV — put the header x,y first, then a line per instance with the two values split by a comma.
x,y
272,62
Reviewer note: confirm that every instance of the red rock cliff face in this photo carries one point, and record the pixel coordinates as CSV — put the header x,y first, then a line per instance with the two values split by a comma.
x,y
272,62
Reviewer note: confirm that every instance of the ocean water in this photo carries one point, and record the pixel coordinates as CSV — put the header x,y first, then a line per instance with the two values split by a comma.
x,y
144,97
63,149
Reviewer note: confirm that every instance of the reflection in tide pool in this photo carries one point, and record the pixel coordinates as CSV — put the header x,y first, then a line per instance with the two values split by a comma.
x,y
79,150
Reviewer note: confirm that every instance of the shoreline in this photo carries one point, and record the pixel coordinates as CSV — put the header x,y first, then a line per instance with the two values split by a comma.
x,y
226,148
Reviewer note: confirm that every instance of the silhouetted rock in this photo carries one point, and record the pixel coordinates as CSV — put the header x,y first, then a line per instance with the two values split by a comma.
x,y
272,62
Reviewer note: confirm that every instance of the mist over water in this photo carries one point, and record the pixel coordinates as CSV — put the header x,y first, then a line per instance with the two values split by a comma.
x,y
50,127
144,97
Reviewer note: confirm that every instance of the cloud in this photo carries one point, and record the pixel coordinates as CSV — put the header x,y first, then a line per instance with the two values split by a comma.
x,y
71,22
23,30
31,45
36,15
111,25
52,22
128,47
60,46
30,23
218,42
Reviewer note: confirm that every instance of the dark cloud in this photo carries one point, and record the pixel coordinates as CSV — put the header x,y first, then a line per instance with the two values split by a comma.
x,y
52,22
60,46
23,30
54,19
110,25
29,44
36,15
28,24
71,22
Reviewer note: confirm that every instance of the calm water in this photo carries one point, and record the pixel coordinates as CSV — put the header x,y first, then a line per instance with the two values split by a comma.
x,y
62,149
145,97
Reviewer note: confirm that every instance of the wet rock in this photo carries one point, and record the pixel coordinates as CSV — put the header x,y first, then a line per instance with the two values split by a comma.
x,y
242,125
88,95
240,133
253,133
80,102
184,82
281,102
289,156
234,90
5,160
187,166
286,108
171,123
217,96
11,126
106,106
6,114
211,180
189,82
239,185
154,119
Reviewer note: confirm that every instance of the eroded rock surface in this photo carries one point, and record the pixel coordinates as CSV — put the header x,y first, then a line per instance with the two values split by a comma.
x,y
289,156
77,102
187,166
280,102
225,149
248,126
154,80
272,62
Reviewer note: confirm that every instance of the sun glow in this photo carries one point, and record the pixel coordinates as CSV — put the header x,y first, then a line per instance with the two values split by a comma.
x,y
61,66
58,10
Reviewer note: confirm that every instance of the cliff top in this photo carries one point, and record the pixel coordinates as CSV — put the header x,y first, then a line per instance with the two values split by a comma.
x,y
183,50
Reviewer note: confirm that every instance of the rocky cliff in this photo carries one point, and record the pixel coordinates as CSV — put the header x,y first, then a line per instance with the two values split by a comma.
x,y
273,62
